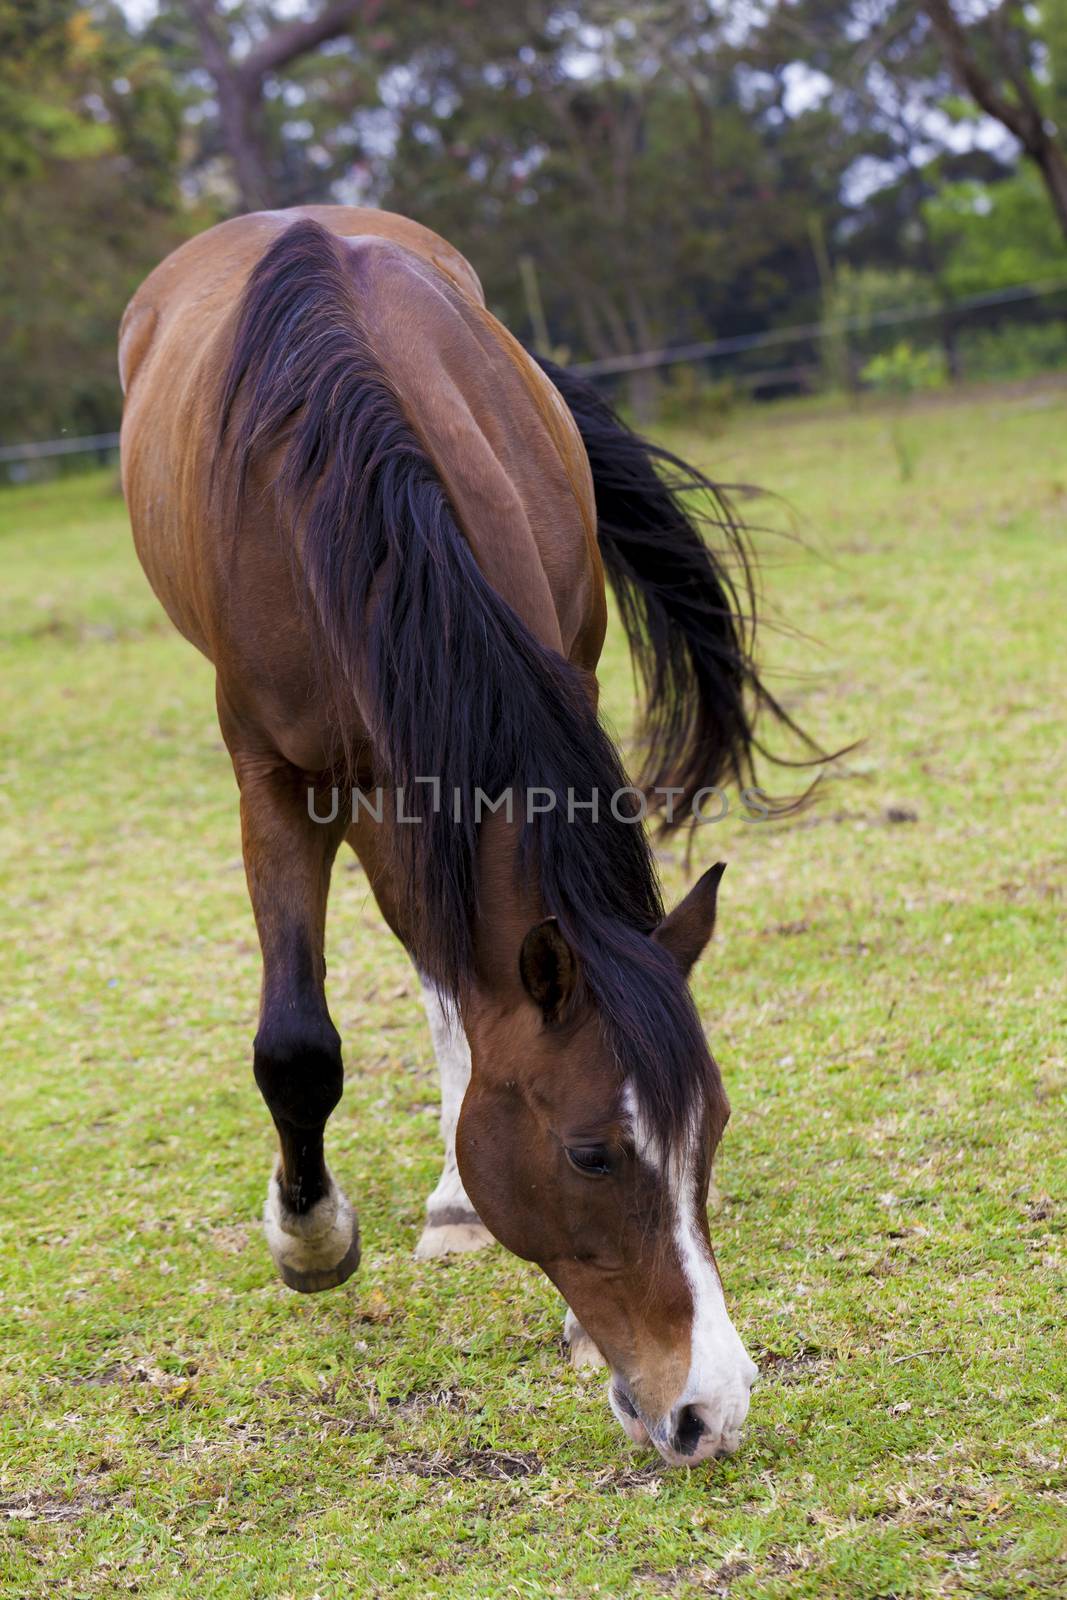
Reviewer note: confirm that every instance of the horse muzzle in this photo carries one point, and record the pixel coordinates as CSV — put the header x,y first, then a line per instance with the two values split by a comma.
x,y
704,1427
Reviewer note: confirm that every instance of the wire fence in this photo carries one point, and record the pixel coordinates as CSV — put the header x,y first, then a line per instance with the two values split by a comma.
x,y
98,444
1003,334
807,333
1000,336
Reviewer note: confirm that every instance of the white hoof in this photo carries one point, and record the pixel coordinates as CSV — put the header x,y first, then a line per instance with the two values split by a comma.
x,y
584,1355
449,1233
316,1249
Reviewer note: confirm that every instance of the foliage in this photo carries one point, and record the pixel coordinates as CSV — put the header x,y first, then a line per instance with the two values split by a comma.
x,y
655,200
43,45
860,298
885,997
690,397
993,236
1049,27
1018,350
905,369
645,173
864,294
90,146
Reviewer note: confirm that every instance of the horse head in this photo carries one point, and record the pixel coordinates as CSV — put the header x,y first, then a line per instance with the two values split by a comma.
x,y
578,1164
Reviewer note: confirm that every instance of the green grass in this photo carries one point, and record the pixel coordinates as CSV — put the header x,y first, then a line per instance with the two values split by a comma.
x,y
886,998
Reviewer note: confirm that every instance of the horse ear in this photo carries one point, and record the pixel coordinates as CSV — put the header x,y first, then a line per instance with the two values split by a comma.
x,y
690,925
548,969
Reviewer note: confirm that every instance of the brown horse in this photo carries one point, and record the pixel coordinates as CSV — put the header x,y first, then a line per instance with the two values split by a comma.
x,y
383,523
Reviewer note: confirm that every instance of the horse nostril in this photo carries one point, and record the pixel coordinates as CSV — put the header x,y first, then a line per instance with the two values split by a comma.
x,y
689,1430
624,1402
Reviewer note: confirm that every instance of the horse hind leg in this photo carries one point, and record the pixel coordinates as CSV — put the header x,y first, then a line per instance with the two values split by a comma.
x,y
312,1231
584,1354
452,1224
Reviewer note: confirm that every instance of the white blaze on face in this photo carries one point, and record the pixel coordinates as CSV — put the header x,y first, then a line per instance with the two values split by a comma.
x,y
721,1374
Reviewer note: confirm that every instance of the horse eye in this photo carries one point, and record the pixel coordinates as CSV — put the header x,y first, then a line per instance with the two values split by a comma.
x,y
591,1160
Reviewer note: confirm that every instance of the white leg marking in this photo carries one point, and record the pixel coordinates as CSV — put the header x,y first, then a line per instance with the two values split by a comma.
x,y
314,1249
585,1357
451,1221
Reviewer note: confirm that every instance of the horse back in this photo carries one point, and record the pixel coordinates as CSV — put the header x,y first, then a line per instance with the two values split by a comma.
x,y
504,445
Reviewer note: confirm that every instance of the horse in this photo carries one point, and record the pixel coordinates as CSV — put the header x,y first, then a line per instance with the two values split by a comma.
x,y
387,525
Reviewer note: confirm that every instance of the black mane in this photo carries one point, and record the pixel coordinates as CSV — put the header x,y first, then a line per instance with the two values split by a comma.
x,y
446,676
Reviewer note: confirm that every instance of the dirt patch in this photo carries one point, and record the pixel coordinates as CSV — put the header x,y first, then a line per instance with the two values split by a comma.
x,y
144,1371
623,1478
704,1579
421,1401
795,1368
896,815
788,930
231,1238
1043,883
474,1465
42,1507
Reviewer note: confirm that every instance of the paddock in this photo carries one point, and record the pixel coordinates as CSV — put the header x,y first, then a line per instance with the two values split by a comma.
x,y
884,992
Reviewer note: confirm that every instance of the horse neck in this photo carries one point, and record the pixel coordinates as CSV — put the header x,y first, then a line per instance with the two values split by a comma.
x,y
509,904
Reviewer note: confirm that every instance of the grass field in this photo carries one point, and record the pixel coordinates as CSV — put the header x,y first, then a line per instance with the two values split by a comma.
x,y
885,993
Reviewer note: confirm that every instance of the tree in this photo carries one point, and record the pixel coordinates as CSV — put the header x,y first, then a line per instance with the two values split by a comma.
x,y
994,236
993,59
90,202
631,153
240,80
41,42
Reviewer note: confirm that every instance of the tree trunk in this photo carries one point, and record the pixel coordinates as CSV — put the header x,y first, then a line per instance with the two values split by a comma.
x,y
1052,164
644,381
239,116
950,347
643,391
238,108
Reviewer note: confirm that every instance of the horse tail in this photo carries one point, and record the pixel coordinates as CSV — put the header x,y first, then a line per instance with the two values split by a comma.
x,y
690,623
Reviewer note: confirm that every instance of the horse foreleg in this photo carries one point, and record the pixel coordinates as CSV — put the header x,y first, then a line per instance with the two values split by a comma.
x,y
452,1224
311,1229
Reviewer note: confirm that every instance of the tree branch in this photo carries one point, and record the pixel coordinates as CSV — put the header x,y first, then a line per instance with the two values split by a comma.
x,y
1023,117
294,39
239,84
205,20
1004,29
1024,121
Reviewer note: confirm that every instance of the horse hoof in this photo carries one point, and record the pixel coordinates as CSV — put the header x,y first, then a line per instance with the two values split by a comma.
x,y
584,1355
316,1249
448,1233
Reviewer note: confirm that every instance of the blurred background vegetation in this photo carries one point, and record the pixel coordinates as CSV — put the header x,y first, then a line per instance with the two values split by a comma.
x,y
625,177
